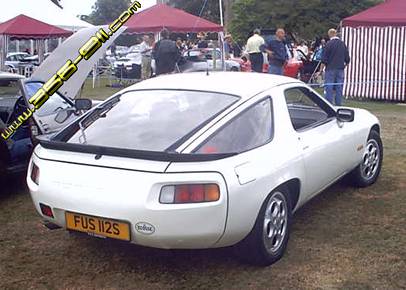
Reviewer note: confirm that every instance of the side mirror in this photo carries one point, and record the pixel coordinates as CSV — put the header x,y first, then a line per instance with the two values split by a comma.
x,y
83,104
62,116
345,115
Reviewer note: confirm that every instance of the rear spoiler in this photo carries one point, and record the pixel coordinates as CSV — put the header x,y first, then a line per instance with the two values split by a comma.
x,y
129,153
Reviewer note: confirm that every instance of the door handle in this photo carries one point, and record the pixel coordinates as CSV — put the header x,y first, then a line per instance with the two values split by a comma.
x,y
306,147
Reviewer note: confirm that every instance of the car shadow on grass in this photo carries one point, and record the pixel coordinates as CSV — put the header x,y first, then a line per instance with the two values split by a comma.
x,y
12,185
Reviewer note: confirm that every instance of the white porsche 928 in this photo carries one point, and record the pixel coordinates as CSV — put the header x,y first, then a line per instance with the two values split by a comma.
x,y
193,161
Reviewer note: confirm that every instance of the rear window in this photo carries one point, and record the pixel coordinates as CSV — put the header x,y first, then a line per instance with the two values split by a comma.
x,y
152,120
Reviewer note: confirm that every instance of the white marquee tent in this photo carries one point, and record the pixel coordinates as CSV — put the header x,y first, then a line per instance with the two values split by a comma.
x,y
42,10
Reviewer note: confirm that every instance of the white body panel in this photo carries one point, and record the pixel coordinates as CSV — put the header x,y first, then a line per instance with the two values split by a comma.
x,y
128,189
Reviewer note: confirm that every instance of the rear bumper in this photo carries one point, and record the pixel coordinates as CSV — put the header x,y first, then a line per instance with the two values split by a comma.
x,y
113,195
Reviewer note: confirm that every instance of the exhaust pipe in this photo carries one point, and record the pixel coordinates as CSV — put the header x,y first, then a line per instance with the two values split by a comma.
x,y
50,226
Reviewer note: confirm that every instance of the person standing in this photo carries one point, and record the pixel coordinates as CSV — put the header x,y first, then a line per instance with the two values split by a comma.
x,y
202,43
319,50
334,60
113,49
146,51
254,48
166,54
277,53
228,46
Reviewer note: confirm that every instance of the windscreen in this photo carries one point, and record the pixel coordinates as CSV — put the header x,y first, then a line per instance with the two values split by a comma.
x,y
149,120
55,103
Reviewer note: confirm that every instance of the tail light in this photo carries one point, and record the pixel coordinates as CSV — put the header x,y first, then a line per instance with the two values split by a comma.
x,y
35,173
189,193
46,210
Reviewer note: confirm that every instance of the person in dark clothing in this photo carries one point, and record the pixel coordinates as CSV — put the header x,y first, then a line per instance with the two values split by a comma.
x,y
277,52
334,59
166,54
202,43
113,49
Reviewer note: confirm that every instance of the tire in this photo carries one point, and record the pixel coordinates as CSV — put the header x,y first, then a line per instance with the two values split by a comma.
x,y
258,248
234,68
368,171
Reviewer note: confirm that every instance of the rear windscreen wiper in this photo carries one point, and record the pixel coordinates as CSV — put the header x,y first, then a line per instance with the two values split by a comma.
x,y
99,112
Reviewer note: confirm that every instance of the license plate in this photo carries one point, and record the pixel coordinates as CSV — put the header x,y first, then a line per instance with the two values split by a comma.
x,y
98,226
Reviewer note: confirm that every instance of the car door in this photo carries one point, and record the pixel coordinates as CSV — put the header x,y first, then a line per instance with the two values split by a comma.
x,y
62,100
19,146
322,139
46,116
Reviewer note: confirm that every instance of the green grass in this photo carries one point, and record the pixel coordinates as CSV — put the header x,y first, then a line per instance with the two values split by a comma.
x,y
345,238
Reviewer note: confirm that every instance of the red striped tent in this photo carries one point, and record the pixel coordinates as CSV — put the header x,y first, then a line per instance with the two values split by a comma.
x,y
376,39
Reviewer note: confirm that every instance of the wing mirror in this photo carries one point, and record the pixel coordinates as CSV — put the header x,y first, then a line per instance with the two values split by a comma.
x,y
62,116
345,115
83,104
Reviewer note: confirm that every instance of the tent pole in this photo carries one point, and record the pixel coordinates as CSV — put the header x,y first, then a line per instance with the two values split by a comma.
x,y
32,47
221,12
3,51
223,60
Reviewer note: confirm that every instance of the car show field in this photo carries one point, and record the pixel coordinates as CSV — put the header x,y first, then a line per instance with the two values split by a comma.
x,y
345,238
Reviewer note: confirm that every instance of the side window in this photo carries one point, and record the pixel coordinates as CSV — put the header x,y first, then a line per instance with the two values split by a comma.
x,y
305,108
9,94
251,129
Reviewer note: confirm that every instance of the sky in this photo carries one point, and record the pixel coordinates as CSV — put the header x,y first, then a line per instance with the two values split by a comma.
x,y
85,6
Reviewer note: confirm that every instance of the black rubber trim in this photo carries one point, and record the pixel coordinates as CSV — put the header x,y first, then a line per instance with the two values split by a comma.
x,y
135,154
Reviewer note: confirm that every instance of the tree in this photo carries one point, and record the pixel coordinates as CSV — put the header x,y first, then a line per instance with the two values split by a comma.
x,y
106,11
306,18
208,9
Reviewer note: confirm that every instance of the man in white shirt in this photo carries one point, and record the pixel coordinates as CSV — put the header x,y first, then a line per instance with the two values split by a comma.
x,y
255,47
146,51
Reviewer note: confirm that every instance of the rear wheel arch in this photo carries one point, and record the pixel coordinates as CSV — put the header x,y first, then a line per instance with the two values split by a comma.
x,y
376,128
293,187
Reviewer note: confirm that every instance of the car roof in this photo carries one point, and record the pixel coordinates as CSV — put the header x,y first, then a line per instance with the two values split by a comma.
x,y
6,75
243,84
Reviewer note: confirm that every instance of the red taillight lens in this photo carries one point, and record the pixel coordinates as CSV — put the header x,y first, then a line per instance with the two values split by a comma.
x,y
181,194
35,173
197,193
189,193
46,210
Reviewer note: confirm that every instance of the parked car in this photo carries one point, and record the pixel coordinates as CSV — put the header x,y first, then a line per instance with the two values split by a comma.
x,y
57,112
128,66
196,60
292,68
34,60
196,160
14,60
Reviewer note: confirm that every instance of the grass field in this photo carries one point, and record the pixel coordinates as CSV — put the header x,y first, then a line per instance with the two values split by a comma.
x,y
345,238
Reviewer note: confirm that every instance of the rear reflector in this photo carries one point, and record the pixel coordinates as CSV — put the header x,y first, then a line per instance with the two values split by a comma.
x,y
189,193
46,210
35,174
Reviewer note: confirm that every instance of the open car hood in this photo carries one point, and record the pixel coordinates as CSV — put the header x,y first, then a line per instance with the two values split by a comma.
x,y
69,49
